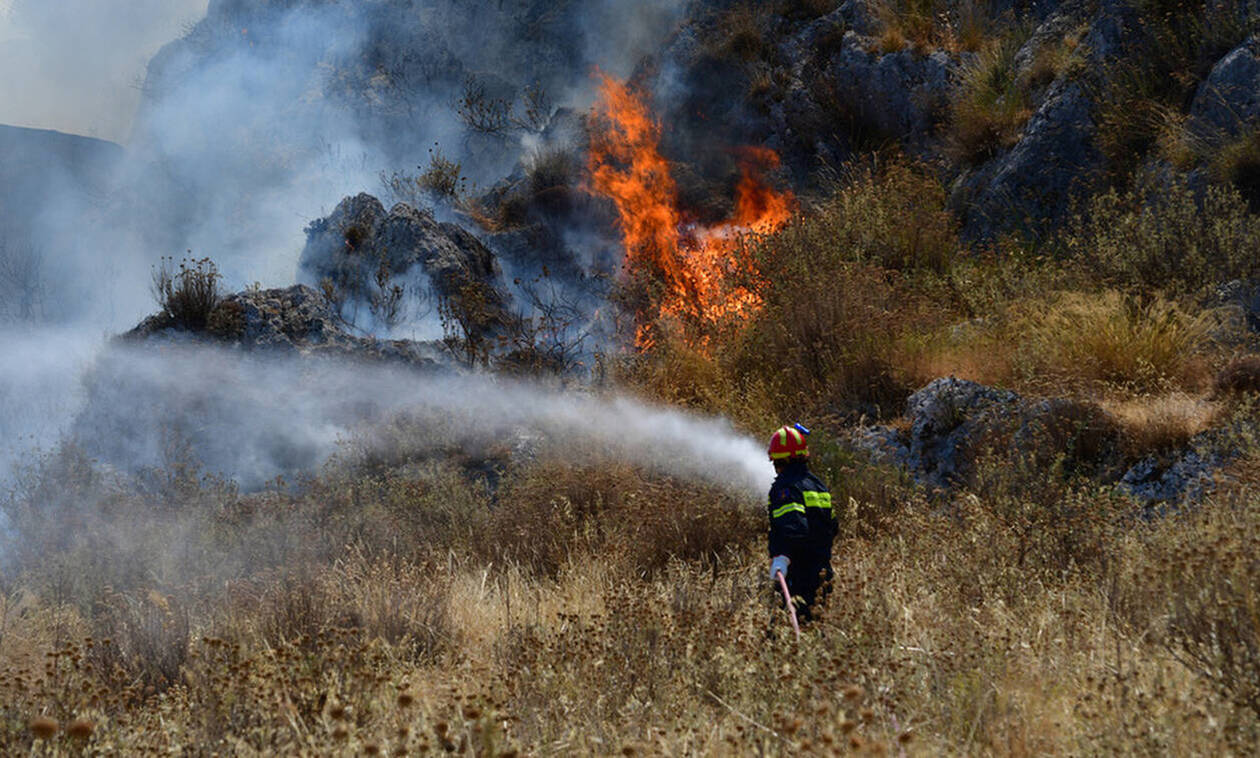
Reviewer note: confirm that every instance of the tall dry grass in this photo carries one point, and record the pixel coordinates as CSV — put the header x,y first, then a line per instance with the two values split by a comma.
x,y
992,626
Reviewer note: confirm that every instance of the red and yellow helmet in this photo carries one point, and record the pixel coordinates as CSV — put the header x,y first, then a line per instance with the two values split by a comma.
x,y
789,442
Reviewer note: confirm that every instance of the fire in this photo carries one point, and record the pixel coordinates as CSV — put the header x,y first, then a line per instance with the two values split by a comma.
x,y
700,266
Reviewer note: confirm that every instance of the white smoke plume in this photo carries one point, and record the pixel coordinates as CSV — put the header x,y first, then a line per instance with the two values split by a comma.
x,y
253,418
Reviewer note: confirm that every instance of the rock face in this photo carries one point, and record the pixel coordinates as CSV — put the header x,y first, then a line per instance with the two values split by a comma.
x,y
1227,103
361,250
1030,187
1035,180
901,94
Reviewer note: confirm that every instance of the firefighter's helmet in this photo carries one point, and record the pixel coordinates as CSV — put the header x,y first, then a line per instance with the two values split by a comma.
x,y
789,442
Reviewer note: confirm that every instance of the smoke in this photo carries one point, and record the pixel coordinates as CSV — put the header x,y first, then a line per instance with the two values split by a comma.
x,y
261,117
76,65
252,418
256,120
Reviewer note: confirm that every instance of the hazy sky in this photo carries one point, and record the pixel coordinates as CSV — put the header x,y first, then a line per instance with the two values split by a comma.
x,y
75,65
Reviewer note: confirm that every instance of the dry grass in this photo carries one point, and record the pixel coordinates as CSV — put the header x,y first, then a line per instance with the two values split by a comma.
x,y
941,637
1074,342
1163,422
990,106
1117,340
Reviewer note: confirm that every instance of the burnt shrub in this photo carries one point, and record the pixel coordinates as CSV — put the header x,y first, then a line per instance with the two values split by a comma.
x,y
189,294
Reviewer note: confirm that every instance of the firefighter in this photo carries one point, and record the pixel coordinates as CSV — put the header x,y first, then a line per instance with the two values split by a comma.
x,y
802,522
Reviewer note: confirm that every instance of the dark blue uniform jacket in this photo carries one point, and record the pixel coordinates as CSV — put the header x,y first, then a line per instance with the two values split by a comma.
x,y
802,521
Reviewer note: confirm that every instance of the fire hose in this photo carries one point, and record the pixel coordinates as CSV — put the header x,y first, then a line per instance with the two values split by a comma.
x,y
787,598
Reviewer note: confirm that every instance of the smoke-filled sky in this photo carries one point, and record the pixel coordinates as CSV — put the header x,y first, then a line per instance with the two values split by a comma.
x,y
75,65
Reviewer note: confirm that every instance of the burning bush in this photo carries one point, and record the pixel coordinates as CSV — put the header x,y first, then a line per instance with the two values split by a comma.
x,y
694,274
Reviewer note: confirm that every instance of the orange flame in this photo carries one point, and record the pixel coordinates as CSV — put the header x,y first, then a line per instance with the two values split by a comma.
x,y
699,265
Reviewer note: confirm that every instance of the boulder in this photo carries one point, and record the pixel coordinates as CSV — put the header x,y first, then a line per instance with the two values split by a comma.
x,y
948,419
359,242
1227,103
955,422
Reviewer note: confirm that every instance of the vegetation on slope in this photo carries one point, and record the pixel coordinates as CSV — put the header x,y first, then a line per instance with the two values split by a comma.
x,y
395,604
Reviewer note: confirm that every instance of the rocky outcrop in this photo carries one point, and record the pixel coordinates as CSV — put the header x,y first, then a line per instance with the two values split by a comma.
x,y
1030,187
293,321
898,95
1227,103
954,423
361,250
1034,182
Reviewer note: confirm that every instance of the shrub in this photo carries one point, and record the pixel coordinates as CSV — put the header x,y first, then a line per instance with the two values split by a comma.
x,y
149,636
555,514
1162,236
187,296
894,217
551,168
831,342
1117,340
842,288
740,33
932,24
1238,163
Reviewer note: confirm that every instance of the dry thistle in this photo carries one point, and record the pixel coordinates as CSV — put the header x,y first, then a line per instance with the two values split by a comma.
x,y
80,729
43,727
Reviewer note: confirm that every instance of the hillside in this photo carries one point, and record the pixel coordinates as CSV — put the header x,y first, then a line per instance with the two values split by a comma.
x,y
487,476
46,179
